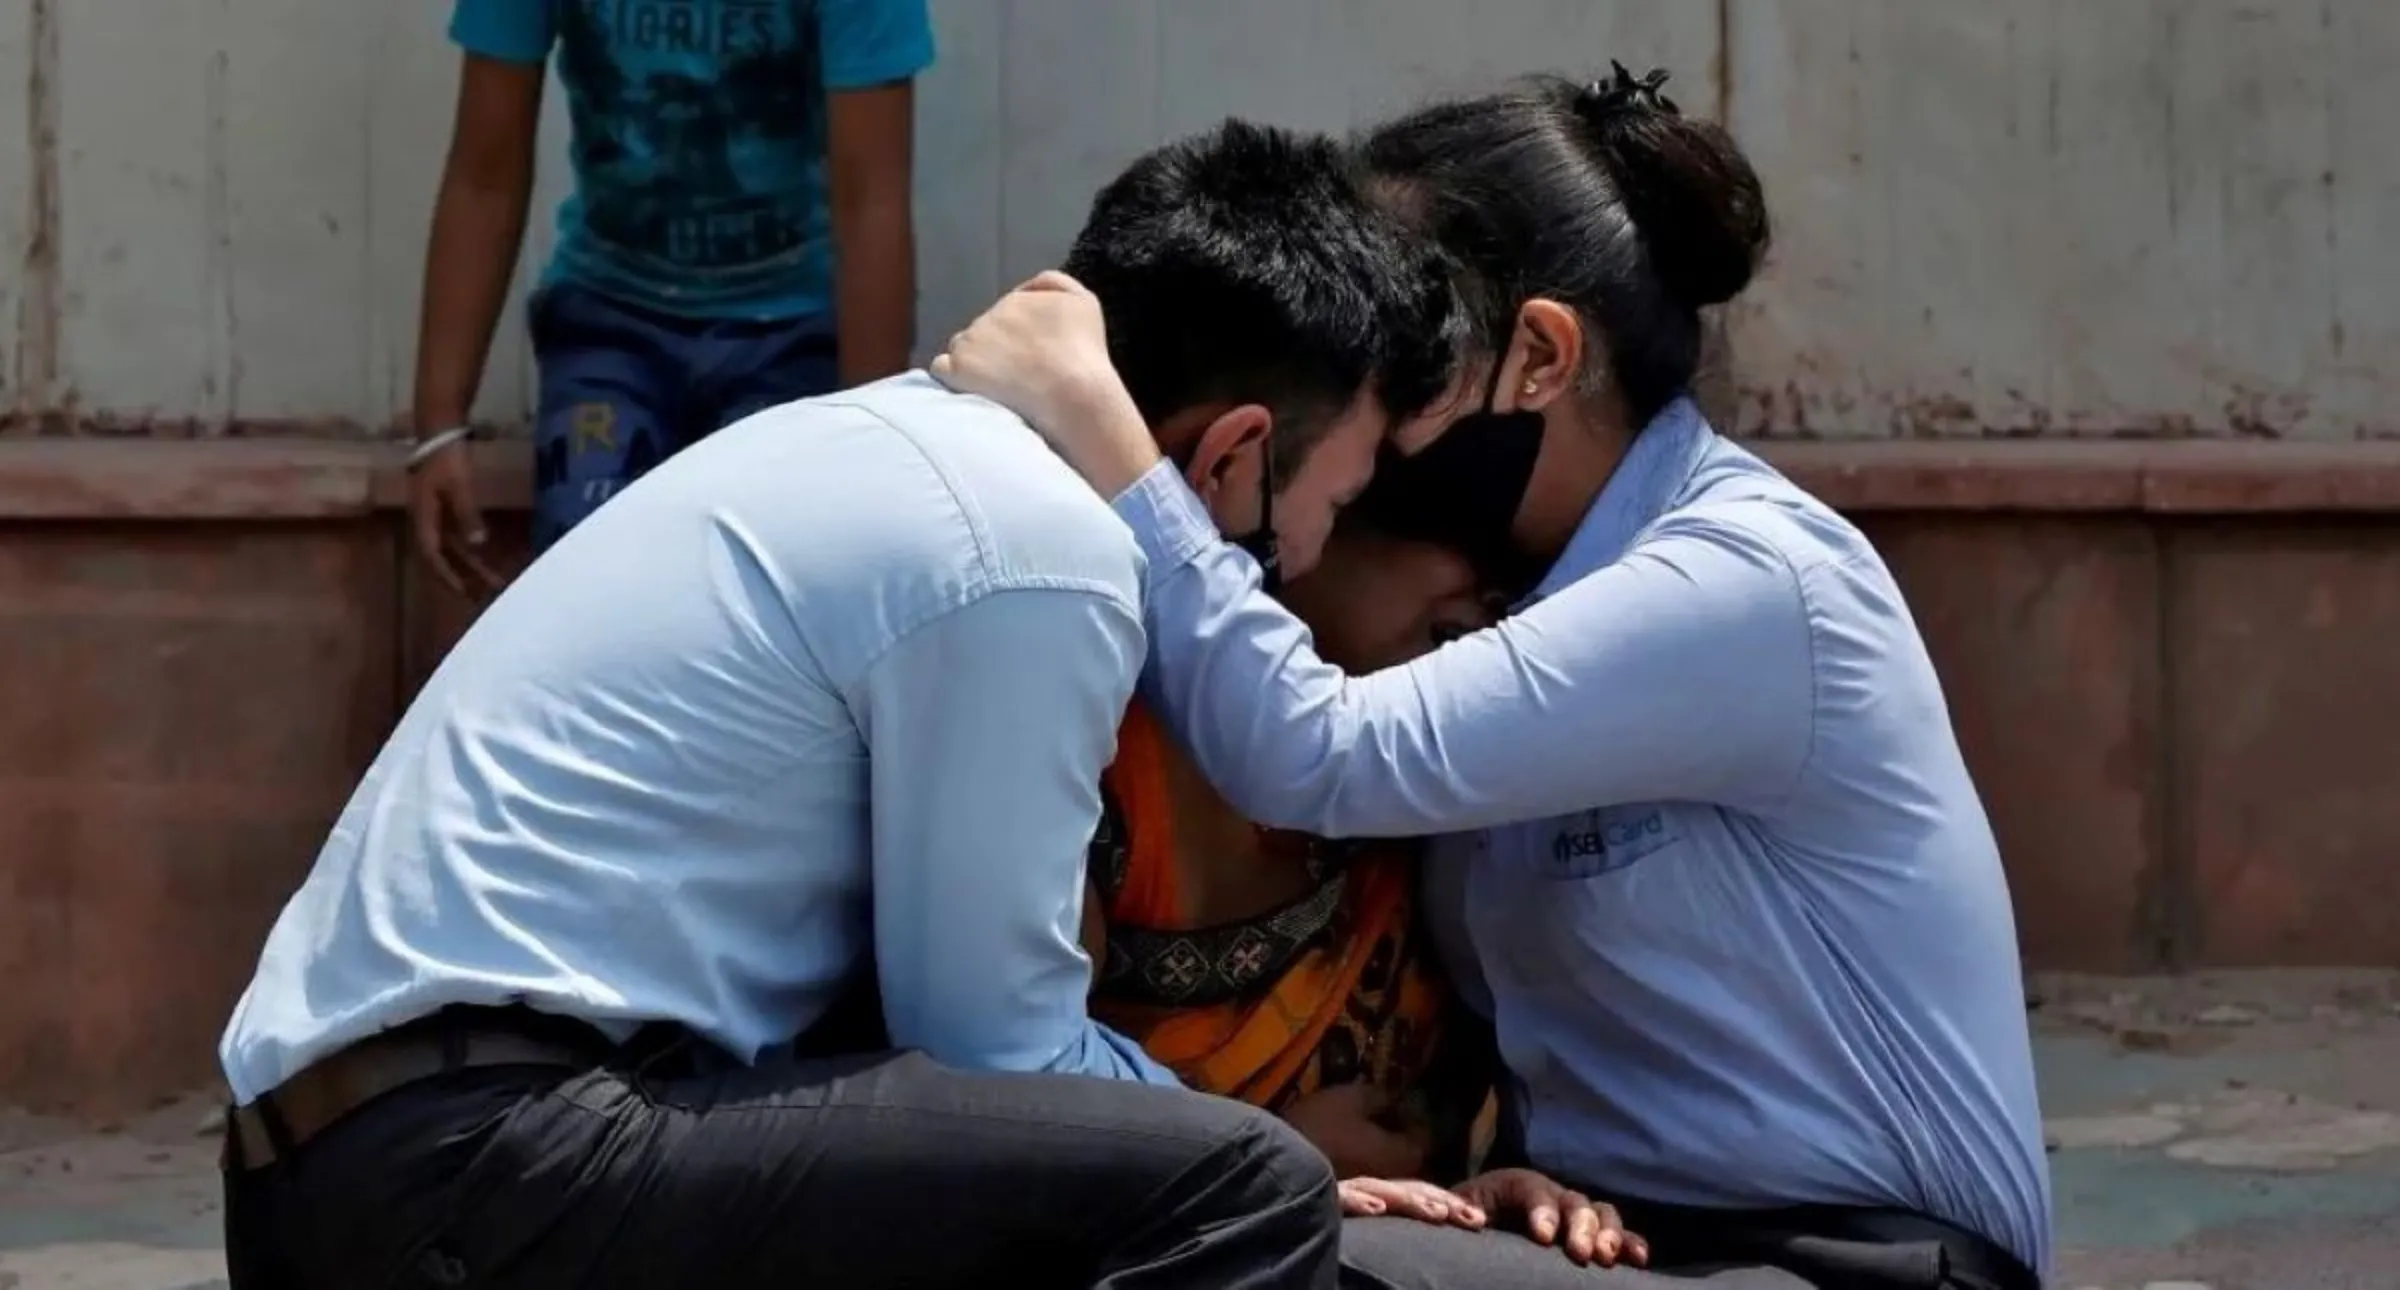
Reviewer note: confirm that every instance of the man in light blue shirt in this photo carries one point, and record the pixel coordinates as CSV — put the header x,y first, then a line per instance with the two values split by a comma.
x,y
817,712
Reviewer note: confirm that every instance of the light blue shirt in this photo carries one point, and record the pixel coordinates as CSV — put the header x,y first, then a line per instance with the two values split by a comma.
x,y
830,690
1723,885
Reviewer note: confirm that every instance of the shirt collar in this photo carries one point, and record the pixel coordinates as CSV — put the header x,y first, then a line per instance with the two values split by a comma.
x,y
1653,473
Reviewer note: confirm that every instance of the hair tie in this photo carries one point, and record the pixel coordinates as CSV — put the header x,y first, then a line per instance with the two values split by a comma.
x,y
1622,91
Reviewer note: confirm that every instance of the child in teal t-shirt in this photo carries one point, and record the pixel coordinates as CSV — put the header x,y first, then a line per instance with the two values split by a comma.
x,y
738,235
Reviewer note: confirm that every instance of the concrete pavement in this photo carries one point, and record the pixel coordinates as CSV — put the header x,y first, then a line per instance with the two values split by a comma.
x,y
2238,1131
2228,1131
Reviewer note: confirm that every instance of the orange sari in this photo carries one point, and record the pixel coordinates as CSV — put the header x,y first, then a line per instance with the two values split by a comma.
x,y
1362,1001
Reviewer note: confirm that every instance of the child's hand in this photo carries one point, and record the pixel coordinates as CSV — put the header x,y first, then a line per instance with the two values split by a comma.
x,y
1407,1198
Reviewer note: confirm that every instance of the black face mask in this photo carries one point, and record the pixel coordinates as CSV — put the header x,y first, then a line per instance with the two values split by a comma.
x,y
1260,542
1463,489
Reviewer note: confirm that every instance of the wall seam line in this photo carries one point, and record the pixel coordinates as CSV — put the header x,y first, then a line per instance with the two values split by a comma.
x,y
39,303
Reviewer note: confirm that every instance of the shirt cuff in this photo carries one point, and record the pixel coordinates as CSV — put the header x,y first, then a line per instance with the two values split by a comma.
x,y
1167,520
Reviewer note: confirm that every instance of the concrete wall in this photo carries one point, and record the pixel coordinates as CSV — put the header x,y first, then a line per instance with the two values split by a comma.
x,y
2166,218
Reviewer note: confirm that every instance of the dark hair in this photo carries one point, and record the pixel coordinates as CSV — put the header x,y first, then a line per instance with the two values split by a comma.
x,y
1248,265
1600,196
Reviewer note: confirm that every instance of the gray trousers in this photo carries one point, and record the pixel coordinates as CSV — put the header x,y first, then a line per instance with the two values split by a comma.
x,y
868,1172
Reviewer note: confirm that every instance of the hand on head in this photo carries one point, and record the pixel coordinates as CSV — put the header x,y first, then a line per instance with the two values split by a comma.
x,y
1041,351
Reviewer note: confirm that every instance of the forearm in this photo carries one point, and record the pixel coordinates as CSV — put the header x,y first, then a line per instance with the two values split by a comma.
x,y
469,263
1271,725
1633,668
875,287
981,812
987,1040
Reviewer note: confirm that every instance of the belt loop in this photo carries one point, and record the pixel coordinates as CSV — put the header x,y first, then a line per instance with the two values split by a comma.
x,y
279,1133
234,1160
647,1053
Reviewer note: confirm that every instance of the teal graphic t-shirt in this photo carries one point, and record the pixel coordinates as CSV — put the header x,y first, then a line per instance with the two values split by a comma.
x,y
699,137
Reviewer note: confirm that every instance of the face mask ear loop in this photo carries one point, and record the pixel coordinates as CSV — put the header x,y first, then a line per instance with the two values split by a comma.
x,y
1265,548
1491,391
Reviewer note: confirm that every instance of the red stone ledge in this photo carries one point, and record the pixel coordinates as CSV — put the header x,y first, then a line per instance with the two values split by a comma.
x,y
2185,477
258,479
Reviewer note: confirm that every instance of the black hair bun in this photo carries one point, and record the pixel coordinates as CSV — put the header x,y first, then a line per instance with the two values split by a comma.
x,y
1692,195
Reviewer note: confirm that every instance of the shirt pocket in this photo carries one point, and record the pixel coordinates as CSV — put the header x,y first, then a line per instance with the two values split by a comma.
x,y
1596,843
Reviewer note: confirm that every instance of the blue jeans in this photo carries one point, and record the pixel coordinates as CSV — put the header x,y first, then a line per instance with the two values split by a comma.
x,y
623,389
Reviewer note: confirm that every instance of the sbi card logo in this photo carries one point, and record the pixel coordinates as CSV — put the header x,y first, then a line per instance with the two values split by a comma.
x,y
1599,842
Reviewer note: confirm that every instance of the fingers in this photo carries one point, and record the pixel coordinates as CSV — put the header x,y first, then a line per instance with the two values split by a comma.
x,y
1427,1203
1583,1228
1587,1232
467,522
1541,1221
1408,1198
1556,1216
1053,280
482,577
1596,1234
945,366
449,528
426,518
459,496
1461,1211
1359,1201
1611,1243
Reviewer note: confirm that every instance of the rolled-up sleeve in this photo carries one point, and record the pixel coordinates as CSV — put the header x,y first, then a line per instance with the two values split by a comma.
x,y
1681,672
507,31
988,729
868,43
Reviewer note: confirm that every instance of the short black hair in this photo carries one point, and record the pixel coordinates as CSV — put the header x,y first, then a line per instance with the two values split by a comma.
x,y
1608,201
1247,265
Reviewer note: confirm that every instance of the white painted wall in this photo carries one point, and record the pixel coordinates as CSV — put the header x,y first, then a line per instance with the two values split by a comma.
x,y
2164,216
2155,216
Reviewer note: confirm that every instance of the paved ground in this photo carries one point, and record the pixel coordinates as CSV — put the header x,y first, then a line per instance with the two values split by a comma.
x,y
2235,1132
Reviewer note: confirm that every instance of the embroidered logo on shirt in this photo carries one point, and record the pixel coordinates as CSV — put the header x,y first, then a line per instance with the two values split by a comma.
x,y
1609,840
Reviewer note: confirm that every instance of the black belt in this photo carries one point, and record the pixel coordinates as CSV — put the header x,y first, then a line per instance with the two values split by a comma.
x,y
1967,1258
279,1123
1834,1247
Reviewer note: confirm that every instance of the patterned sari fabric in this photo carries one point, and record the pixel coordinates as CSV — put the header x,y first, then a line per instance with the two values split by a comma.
x,y
1335,987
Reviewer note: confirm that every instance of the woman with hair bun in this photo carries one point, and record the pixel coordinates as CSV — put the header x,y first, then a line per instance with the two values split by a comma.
x,y
1710,859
